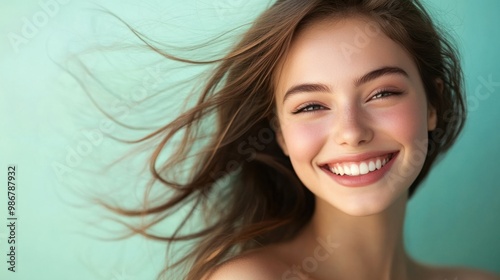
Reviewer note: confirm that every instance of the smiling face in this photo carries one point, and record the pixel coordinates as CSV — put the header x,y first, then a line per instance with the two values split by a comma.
x,y
353,115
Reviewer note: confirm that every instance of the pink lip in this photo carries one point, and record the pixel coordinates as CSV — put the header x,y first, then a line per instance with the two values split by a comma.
x,y
361,180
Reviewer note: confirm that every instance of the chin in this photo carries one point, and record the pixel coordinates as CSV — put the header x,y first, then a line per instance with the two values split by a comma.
x,y
368,205
363,210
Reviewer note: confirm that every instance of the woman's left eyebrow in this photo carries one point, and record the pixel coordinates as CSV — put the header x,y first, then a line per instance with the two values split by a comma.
x,y
372,75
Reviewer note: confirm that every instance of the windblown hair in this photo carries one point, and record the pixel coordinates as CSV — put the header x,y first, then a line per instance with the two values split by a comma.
x,y
264,201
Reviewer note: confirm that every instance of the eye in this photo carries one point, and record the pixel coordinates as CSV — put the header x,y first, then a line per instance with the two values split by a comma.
x,y
385,93
306,108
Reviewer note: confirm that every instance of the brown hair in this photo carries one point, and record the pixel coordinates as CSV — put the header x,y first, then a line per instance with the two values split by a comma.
x,y
241,180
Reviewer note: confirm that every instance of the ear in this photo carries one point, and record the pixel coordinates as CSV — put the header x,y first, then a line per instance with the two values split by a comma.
x,y
281,141
431,118
431,111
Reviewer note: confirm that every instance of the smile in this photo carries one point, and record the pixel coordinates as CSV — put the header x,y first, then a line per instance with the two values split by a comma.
x,y
361,167
360,170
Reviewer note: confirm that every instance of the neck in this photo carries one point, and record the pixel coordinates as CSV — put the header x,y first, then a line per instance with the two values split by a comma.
x,y
368,247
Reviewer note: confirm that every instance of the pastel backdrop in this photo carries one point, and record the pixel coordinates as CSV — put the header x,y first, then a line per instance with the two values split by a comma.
x,y
56,136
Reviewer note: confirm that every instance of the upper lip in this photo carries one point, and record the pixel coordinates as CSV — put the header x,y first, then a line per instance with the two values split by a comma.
x,y
357,157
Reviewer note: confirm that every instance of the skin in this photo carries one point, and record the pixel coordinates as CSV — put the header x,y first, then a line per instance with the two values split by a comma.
x,y
355,232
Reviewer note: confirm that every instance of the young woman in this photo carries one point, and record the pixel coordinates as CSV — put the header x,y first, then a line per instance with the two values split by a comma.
x,y
329,114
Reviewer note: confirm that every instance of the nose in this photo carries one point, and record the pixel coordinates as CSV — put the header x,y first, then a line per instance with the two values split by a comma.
x,y
352,127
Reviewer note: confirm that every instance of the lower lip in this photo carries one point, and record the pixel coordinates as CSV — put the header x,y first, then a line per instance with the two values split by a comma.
x,y
362,180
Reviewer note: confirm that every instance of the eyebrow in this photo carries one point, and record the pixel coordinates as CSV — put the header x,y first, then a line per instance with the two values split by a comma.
x,y
318,87
378,73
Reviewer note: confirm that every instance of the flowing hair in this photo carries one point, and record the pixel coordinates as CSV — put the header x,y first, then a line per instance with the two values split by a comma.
x,y
240,180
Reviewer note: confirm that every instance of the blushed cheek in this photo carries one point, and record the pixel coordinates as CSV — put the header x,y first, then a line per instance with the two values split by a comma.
x,y
407,122
304,141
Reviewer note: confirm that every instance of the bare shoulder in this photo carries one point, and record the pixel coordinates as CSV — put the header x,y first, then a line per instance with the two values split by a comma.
x,y
255,265
458,273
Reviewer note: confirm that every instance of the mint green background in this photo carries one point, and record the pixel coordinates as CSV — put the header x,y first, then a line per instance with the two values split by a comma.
x,y
454,219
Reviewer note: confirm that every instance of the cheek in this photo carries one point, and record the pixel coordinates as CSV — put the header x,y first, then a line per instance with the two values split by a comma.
x,y
407,121
304,141
407,125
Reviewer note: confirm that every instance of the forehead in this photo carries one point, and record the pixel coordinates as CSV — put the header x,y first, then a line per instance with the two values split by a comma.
x,y
337,52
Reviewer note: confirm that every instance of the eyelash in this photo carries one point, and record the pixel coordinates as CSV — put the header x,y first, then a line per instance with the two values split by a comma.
x,y
308,107
384,92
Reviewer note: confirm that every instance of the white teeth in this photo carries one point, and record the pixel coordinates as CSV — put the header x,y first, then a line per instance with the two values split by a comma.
x,y
347,170
354,169
371,166
341,170
361,168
